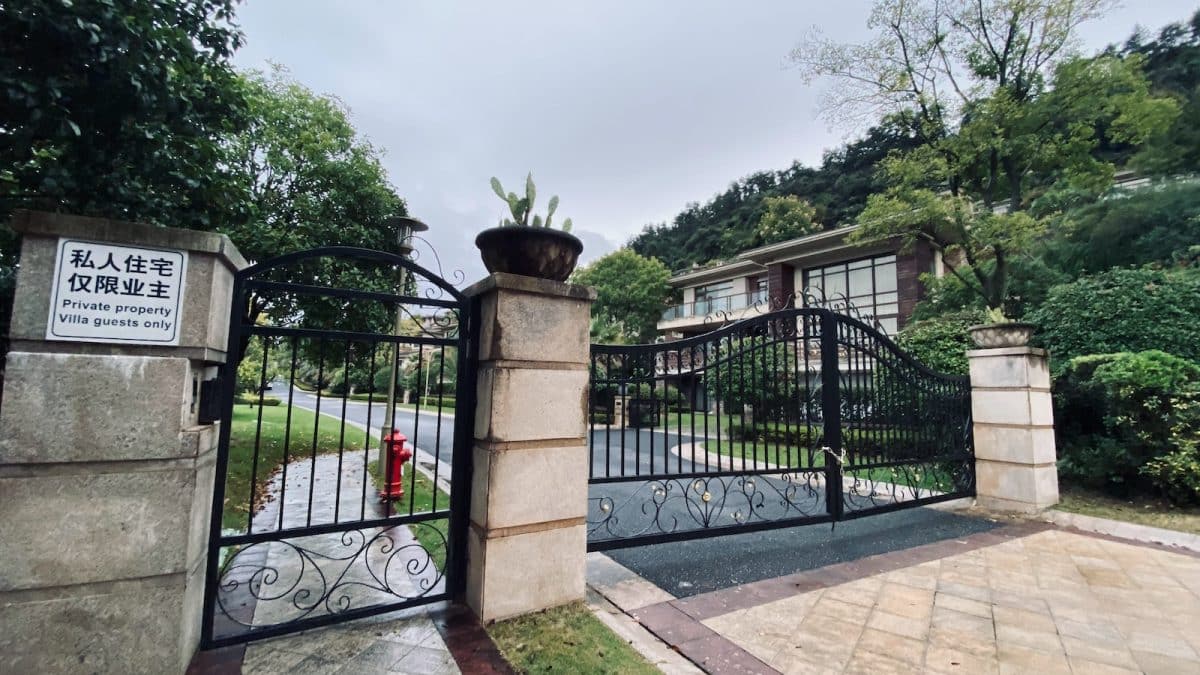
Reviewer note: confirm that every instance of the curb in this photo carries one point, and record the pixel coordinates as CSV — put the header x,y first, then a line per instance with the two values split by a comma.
x,y
1123,530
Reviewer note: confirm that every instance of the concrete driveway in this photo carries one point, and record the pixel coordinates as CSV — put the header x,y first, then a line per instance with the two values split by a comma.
x,y
1020,597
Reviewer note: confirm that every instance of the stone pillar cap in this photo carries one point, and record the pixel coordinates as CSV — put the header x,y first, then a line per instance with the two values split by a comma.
x,y
524,284
46,224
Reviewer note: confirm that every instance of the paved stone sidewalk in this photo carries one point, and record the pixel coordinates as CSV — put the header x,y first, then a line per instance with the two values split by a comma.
x,y
399,642
1027,598
404,644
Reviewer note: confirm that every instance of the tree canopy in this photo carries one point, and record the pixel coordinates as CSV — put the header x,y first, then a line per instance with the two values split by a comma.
x,y
839,188
630,293
117,109
1008,118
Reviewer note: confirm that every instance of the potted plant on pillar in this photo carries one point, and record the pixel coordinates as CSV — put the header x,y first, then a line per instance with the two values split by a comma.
x,y
525,244
1001,331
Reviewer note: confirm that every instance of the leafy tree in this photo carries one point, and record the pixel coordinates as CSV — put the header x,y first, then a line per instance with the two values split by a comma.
x,y
759,372
429,371
631,291
309,181
1173,65
117,109
255,371
1005,114
785,218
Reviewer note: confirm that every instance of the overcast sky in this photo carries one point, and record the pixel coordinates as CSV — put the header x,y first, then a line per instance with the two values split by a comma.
x,y
627,109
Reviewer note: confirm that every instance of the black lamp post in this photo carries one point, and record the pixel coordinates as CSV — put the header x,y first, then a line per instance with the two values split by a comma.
x,y
405,228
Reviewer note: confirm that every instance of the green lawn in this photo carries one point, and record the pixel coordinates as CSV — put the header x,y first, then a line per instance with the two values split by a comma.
x,y
431,533
565,640
1142,510
270,455
274,425
797,456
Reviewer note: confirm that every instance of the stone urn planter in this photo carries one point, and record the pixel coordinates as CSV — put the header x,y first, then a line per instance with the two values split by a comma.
x,y
529,251
994,335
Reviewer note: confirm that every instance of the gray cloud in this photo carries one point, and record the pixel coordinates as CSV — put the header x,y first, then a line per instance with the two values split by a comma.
x,y
626,109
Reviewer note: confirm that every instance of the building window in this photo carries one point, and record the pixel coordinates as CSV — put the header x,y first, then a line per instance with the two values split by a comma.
x,y
707,297
868,285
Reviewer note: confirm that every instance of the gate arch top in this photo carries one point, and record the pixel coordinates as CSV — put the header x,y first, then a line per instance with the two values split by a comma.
x,y
354,252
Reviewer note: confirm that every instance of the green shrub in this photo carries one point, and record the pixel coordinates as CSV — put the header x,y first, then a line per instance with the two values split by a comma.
x,y
1177,474
1122,310
1117,413
251,399
941,343
670,394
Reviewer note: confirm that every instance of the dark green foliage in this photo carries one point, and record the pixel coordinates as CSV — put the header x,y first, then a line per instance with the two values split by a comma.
x,y
1177,473
758,373
1173,65
941,343
1122,310
116,109
669,394
1129,228
1116,412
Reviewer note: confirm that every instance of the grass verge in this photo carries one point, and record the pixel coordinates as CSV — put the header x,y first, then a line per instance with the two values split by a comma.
x,y
565,639
241,468
432,534
1141,510
811,459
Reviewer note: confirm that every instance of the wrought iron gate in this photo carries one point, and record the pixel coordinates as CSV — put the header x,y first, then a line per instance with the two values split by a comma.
x,y
299,537
793,417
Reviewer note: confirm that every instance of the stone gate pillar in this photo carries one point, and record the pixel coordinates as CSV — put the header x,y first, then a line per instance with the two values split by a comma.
x,y
1015,458
527,541
106,469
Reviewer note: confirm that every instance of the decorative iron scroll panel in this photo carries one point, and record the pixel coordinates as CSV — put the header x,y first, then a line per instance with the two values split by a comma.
x,y
793,417
300,535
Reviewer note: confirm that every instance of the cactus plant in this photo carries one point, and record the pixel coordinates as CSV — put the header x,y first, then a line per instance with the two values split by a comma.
x,y
522,207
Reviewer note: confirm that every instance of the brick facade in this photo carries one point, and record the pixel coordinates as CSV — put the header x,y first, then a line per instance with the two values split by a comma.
x,y
910,266
781,285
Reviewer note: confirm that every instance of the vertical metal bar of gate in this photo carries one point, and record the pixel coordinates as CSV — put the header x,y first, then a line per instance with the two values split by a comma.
x,y
464,441
831,413
228,384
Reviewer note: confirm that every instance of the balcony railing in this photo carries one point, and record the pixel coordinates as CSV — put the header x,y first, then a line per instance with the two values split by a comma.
x,y
709,306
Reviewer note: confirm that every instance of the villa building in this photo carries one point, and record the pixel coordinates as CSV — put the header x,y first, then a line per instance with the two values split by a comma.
x,y
880,282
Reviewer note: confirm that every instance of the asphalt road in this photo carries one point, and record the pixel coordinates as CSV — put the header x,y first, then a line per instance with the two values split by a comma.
x,y
702,565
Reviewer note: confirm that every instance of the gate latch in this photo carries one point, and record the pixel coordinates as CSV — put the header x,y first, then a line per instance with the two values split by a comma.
x,y
839,457
209,409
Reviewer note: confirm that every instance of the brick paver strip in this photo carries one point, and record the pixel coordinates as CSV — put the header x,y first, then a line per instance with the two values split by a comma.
x,y
699,643
470,645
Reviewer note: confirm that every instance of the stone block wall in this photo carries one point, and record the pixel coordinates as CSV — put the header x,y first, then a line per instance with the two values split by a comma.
x,y
106,475
527,540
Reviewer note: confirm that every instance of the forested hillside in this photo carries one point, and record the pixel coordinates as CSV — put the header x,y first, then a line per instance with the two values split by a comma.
x,y
725,225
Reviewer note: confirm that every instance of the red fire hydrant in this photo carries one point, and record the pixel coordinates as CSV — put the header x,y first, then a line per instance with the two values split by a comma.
x,y
397,455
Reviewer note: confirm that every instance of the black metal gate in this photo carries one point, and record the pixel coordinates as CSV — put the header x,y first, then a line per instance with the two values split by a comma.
x,y
300,534
793,417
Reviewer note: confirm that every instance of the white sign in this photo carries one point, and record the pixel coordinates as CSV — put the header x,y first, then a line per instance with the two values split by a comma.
x,y
107,293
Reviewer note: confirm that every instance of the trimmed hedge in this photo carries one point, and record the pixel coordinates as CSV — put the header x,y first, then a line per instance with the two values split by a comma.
x,y
1128,422
1122,310
941,343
